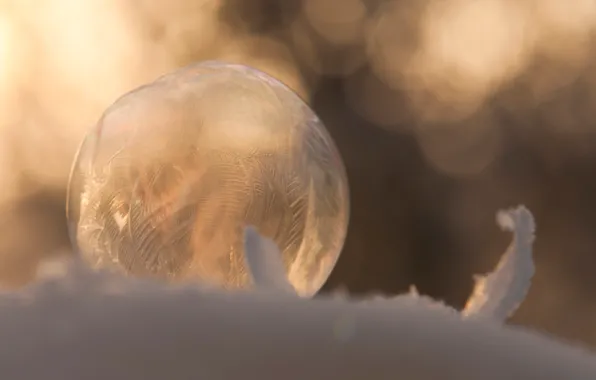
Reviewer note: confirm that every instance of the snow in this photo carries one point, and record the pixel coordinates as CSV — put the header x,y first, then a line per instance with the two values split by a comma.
x,y
263,258
78,324
498,294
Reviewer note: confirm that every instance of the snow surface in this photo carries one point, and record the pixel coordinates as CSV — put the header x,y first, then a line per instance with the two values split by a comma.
x,y
78,324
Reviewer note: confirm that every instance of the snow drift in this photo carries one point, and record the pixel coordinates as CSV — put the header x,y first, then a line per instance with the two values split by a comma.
x,y
78,324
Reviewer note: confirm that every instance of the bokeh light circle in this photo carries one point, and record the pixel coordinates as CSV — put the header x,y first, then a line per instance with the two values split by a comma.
x,y
173,171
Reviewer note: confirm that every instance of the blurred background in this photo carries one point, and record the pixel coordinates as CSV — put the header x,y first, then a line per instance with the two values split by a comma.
x,y
444,111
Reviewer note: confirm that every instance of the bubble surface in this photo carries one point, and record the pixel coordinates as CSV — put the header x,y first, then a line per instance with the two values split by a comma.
x,y
165,183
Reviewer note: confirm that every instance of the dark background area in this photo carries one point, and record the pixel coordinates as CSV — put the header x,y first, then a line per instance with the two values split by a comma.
x,y
444,112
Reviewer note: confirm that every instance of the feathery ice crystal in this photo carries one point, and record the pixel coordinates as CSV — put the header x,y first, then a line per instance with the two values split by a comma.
x,y
166,181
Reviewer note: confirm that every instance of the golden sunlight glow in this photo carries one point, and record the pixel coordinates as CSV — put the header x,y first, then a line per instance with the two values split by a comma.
x,y
469,48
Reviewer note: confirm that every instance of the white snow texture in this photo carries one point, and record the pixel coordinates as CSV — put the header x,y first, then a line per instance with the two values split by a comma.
x,y
498,294
79,324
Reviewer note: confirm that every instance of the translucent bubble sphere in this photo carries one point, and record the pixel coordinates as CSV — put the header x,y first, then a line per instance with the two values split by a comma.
x,y
165,183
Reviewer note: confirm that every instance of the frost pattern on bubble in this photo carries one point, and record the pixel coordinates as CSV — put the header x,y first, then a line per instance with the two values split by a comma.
x,y
165,183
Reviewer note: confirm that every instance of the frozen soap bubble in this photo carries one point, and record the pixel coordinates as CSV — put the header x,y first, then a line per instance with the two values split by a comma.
x,y
165,183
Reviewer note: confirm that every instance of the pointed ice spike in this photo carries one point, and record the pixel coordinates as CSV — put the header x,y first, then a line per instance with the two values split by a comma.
x,y
263,259
497,295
